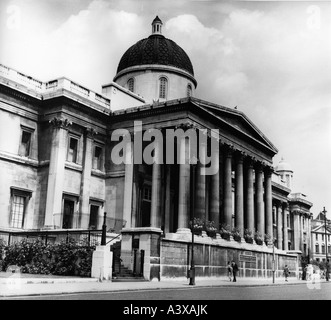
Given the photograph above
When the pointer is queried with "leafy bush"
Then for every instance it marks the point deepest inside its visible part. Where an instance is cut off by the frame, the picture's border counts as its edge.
(65, 258)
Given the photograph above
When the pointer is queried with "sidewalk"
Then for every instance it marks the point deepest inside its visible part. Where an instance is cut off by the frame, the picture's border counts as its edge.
(12, 285)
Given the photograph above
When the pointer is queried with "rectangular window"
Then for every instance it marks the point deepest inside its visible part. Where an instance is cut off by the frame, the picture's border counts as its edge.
(316, 236)
(323, 249)
(17, 211)
(25, 144)
(317, 248)
(94, 213)
(97, 158)
(68, 214)
(163, 88)
(322, 237)
(72, 150)
(19, 201)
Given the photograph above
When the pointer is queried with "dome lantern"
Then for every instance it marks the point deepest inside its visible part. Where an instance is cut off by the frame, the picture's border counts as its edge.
(157, 26)
(285, 171)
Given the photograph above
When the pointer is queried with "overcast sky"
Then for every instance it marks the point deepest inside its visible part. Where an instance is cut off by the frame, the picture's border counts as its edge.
(271, 59)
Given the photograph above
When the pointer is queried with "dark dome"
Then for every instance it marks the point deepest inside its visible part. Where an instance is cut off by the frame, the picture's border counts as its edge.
(156, 49)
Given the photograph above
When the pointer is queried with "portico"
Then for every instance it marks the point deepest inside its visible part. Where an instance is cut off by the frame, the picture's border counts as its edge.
(236, 193)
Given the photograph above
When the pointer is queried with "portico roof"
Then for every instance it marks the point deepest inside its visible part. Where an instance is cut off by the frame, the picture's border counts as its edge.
(232, 124)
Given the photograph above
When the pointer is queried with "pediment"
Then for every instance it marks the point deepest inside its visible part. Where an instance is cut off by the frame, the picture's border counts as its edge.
(321, 229)
(236, 120)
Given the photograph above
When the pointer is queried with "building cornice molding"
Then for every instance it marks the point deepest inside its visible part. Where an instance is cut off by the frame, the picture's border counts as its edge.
(157, 67)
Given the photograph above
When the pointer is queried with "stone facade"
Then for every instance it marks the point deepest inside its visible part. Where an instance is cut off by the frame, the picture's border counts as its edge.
(58, 172)
(320, 238)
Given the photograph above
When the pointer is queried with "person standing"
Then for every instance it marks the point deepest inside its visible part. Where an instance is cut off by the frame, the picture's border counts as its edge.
(286, 272)
(234, 270)
(304, 273)
(229, 267)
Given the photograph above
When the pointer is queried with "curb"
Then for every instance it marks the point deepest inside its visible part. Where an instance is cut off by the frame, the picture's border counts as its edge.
(112, 290)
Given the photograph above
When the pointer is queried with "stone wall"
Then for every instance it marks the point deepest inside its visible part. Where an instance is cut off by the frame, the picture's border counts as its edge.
(210, 259)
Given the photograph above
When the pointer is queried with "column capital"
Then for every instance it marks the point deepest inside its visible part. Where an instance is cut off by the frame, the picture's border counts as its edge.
(268, 170)
(186, 126)
(90, 132)
(276, 203)
(229, 150)
(249, 161)
(285, 205)
(258, 165)
(239, 156)
(59, 122)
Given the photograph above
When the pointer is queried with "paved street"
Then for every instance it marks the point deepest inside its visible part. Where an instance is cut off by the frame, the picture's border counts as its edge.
(302, 291)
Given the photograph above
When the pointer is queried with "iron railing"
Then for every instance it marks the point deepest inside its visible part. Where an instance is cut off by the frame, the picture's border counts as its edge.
(83, 237)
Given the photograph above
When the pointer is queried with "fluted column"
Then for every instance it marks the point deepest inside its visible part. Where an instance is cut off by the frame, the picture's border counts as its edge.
(56, 172)
(259, 199)
(268, 201)
(239, 193)
(249, 207)
(296, 231)
(285, 231)
(167, 200)
(215, 189)
(228, 187)
(200, 203)
(279, 226)
(184, 185)
(128, 183)
(156, 205)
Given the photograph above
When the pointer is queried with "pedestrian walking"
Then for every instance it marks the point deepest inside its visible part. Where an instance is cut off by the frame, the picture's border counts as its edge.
(304, 273)
(286, 272)
(327, 270)
(229, 267)
(234, 270)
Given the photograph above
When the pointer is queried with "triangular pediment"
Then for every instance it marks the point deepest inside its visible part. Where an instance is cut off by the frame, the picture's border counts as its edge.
(236, 120)
(321, 229)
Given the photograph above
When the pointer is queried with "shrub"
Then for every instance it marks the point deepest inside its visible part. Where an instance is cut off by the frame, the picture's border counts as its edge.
(65, 258)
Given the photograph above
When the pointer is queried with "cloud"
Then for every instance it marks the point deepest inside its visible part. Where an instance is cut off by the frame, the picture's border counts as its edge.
(82, 48)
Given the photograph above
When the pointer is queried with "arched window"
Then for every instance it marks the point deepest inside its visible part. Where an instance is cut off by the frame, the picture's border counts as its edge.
(189, 90)
(163, 87)
(131, 84)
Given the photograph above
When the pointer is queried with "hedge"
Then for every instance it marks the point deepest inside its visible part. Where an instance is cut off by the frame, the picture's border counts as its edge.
(65, 258)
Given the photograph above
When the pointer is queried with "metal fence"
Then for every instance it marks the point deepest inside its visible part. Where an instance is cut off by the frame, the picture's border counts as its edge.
(82, 237)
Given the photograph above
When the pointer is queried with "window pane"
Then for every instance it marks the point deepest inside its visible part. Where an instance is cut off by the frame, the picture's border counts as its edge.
(189, 91)
(94, 212)
(97, 159)
(68, 213)
(131, 84)
(163, 88)
(25, 144)
(17, 214)
(72, 152)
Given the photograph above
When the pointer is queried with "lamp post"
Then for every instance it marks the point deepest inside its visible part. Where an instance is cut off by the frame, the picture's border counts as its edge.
(104, 230)
(192, 207)
(273, 261)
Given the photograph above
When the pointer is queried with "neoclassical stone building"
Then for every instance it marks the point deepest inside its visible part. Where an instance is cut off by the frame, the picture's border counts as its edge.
(58, 168)
(320, 238)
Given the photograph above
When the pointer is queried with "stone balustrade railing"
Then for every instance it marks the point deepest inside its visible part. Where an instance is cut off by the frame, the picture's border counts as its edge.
(53, 86)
